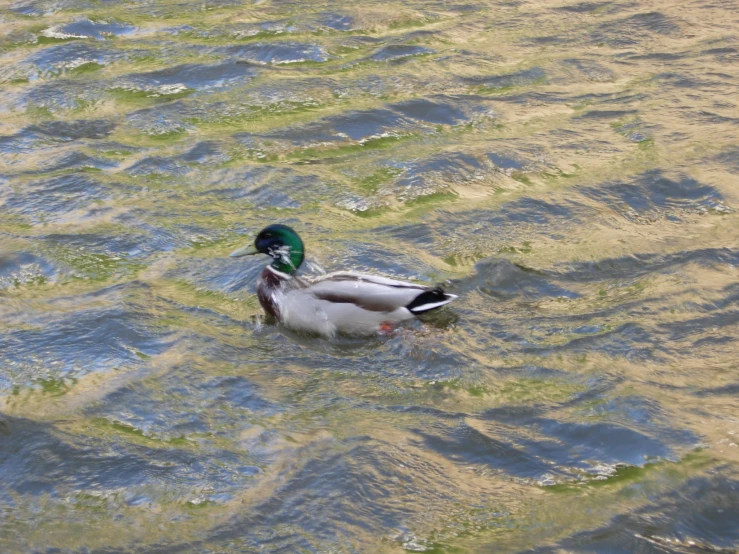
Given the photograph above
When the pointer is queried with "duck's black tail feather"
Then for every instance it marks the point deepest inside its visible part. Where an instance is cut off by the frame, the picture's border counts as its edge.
(430, 300)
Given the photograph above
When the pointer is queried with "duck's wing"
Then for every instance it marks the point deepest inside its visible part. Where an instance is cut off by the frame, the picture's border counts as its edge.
(377, 294)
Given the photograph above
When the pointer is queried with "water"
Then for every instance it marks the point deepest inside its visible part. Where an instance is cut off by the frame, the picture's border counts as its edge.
(568, 169)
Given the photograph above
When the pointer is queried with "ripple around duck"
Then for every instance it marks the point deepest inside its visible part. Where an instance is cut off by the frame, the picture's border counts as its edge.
(47, 134)
(479, 233)
(440, 173)
(159, 166)
(72, 161)
(638, 265)
(629, 341)
(600, 444)
(179, 79)
(588, 7)
(404, 355)
(543, 451)
(372, 258)
(84, 28)
(566, 168)
(465, 445)
(729, 159)
(164, 121)
(138, 241)
(74, 130)
(654, 195)
(310, 23)
(635, 29)
(414, 233)
(394, 121)
(668, 523)
(22, 268)
(19, 143)
(278, 53)
(592, 70)
(348, 499)
(161, 408)
(267, 186)
(37, 8)
(694, 329)
(52, 465)
(223, 275)
(520, 78)
(206, 153)
(63, 58)
(336, 21)
(107, 331)
(441, 112)
(57, 198)
(353, 126)
(502, 279)
(398, 52)
(59, 463)
(62, 95)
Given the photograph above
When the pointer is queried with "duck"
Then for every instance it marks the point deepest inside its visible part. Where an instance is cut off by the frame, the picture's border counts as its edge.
(343, 302)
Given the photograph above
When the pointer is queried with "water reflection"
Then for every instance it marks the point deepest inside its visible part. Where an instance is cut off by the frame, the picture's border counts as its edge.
(568, 169)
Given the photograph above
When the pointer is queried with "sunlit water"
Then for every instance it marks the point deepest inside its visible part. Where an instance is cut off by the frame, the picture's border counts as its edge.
(569, 169)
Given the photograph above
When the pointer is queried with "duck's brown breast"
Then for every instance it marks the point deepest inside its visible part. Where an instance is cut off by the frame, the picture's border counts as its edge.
(268, 284)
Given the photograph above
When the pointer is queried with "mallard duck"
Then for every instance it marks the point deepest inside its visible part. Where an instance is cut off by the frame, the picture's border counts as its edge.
(347, 303)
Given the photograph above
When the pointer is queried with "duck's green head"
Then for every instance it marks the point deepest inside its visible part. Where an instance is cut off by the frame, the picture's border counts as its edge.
(279, 242)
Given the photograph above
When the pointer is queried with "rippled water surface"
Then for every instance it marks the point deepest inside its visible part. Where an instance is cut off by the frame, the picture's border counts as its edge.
(568, 169)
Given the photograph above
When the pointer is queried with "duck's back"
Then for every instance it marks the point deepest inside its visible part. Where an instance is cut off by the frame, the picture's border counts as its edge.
(371, 292)
(351, 303)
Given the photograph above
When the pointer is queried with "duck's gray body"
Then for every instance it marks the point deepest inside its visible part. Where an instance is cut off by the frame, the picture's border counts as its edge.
(347, 303)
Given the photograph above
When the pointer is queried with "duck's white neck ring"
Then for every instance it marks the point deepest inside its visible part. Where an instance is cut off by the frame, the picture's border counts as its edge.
(280, 274)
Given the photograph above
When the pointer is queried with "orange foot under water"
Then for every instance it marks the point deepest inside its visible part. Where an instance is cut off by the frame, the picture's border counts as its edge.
(386, 328)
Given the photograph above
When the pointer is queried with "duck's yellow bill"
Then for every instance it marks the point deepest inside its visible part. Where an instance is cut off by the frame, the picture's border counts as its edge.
(245, 251)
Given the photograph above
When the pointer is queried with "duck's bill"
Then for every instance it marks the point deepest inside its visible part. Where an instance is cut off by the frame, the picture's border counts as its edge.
(249, 250)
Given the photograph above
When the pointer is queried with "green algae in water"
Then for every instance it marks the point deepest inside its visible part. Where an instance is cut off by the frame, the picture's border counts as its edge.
(372, 182)
(54, 387)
